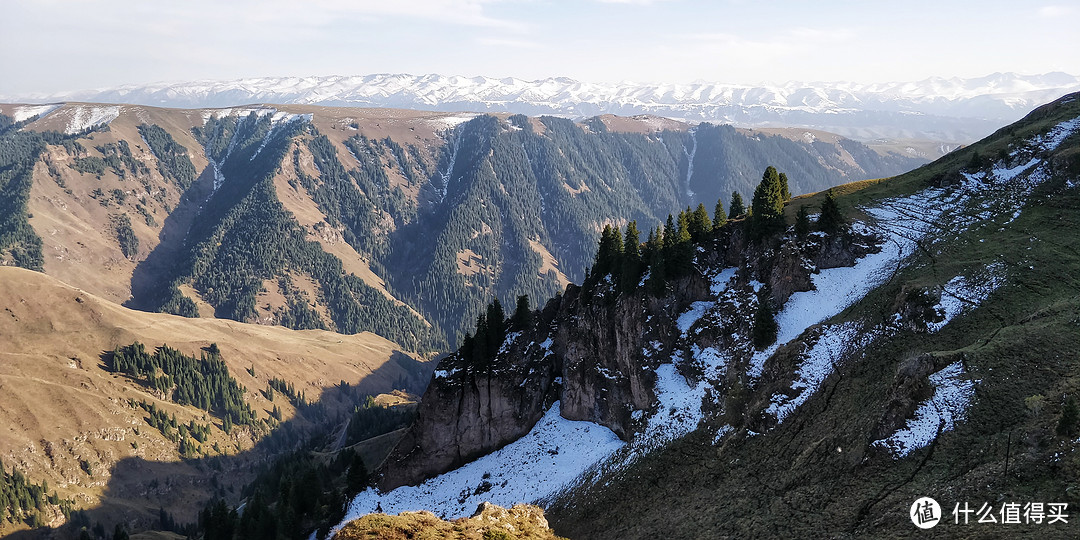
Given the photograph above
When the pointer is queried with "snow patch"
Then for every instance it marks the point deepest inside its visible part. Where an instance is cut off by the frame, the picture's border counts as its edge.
(960, 294)
(678, 410)
(29, 111)
(816, 365)
(445, 374)
(952, 396)
(721, 280)
(696, 311)
(724, 431)
(82, 117)
(552, 454)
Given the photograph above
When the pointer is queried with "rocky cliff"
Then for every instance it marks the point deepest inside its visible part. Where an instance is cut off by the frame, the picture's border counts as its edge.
(596, 349)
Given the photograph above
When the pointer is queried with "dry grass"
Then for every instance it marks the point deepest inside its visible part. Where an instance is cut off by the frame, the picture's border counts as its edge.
(549, 264)
(489, 523)
(642, 123)
(59, 406)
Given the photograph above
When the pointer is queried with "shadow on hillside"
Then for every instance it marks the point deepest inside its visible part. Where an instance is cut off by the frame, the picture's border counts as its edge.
(154, 272)
(137, 489)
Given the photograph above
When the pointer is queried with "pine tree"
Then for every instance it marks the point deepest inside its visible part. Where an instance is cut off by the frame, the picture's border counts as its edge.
(679, 256)
(802, 222)
(480, 342)
(357, 478)
(657, 273)
(1070, 413)
(631, 258)
(670, 236)
(608, 253)
(719, 216)
(767, 208)
(831, 221)
(683, 235)
(765, 327)
(522, 319)
(737, 207)
(632, 241)
(700, 224)
(496, 320)
(785, 192)
(467, 347)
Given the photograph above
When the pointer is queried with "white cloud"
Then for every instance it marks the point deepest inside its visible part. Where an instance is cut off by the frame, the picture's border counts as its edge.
(1054, 11)
(634, 2)
(512, 43)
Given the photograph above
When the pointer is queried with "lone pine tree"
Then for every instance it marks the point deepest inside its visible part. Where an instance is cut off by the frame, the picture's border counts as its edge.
(767, 208)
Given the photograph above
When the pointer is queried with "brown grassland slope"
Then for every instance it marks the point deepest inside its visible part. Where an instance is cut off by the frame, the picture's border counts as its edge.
(67, 420)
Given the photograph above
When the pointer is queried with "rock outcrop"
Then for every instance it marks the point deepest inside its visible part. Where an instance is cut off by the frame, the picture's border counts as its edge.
(595, 348)
(522, 522)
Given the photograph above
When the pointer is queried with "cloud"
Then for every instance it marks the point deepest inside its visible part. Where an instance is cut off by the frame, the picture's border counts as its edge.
(454, 12)
(462, 12)
(634, 2)
(512, 43)
(1054, 11)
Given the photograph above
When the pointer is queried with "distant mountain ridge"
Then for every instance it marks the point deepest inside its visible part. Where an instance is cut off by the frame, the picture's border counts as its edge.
(953, 109)
(404, 223)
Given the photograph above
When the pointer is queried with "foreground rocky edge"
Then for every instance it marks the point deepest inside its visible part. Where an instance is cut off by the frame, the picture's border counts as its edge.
(490, 522)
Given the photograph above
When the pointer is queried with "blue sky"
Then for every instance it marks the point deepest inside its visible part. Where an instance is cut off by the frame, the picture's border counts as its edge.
(49, 46)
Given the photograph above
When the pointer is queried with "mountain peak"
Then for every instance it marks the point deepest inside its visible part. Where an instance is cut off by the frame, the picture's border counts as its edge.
(954, 109)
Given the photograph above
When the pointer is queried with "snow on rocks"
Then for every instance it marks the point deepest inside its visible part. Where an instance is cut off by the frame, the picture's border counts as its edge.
(953, 393)
(554, 453)
(1057, 135)
(962, 293)
(837, 288)
(692, 315)
(712, 361)
(724, 431)
(720, 282)
(816, 364)
(678, 409)
(445, 373)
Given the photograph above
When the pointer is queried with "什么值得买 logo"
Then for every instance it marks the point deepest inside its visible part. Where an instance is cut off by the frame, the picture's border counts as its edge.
(925, 512)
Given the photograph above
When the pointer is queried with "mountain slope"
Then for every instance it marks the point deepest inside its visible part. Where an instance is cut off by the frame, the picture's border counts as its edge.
(929, 349)
(954, 110)
(70, 421)
(403, 223)
(963, 403)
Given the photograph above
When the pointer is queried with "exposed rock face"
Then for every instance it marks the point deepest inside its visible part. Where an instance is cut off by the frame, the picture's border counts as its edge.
(910, 386)
(467, 412)
(790, 273)
(606, 375)
(596, 350)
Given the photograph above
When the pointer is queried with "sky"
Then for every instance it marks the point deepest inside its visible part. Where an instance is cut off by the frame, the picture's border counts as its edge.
(53, 46)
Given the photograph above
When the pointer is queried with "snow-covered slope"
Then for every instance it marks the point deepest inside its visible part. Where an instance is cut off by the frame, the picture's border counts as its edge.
(954, 109)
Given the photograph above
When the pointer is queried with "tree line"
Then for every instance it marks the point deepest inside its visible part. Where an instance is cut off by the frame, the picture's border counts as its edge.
(203, 382)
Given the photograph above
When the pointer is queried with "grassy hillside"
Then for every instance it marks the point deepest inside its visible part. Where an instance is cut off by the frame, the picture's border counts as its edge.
(818, 473)
(71, 422)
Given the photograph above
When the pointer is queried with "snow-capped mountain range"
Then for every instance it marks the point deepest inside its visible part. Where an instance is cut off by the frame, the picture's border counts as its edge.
(954, 109)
